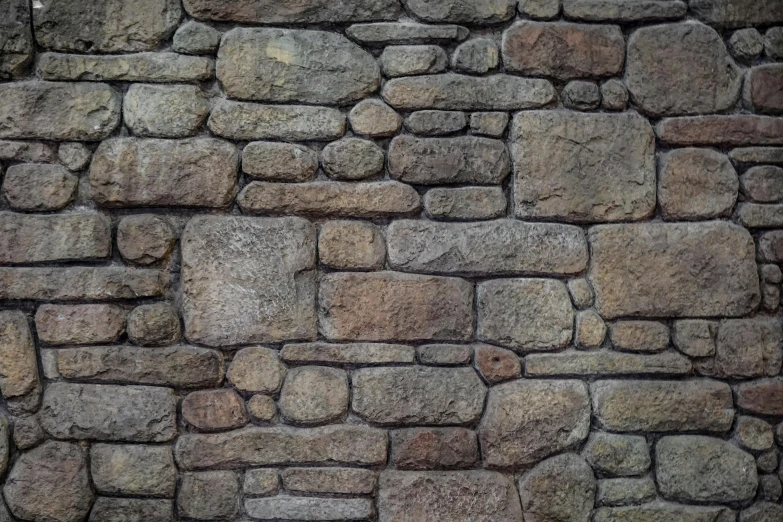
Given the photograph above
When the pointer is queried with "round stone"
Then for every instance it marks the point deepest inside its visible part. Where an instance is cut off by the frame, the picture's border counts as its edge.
(145, 239)
(746, 44)
(256, 370)
(374, 118)
(314, 395)
(590, 329)
(614, 95)
(497, 364)
(262, 408)
(39, 187)
(581, 95)
(754, 434)
(196, 38)
(352, 159)
(478, 56)
(153, 325)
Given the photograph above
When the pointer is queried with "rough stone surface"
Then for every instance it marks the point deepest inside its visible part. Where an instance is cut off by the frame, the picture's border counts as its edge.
(773, 42)
(411, 60)
(343, 481)
(746, 44)
(621, 11)
(749, 348)
(113, 509)
(262, 408)
(619, 455)
(559, 488)
(606, 362)
(360, 354)
(271, 161)
(762, 89)
(374, 118)
(581, 292)
(214, 410)
(27, 151)
(695, 337)
(39, 187)
(433, 448)
(737, 13)
(145, 239)
(253, 121)
(405, 32)
(639, 336)
(581, 95)
(489, 123)
(256, 369)
(763, 396)
(79, 324)
(463, 11)
(272, 12)
(497, 364)
(590, 330)
(763, 184)
(19, 370)
(209, 495)
(444, 354)
(754, 434)
(140, 67)
(477, 56)
(728, 130)
(17, 39)
(196, 38)
(314, 395)
(175, 111)
(622, 491)
(133, 469)
(762, 512)
(346, 245)
(352, 159)
(74, 283)
(614, 95)
(660, 511)
(284, 507)
(153, 325)
(465, 203)
(435, 123)
(261, 482)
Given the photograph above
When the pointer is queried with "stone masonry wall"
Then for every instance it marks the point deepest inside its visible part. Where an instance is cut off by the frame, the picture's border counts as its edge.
(391, 260)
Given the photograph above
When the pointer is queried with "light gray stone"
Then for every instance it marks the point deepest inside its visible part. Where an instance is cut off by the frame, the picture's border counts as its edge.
(614, 95)
(256, 369)
(79, 324)
(444, 354)
(465, 203)
(19, 381)
(477, 56)
(606, 362)
(271, 161)
(374, 118)
(133, 469)
(310, 11)
(756, 215)
(754, 434)
(435, 123)
(79, 283)
(253, 121)
(352, 159)
(623, 491)
(773, 42)
(405, 33)
(746, 44)
(164, 111)
(619, 455)
(540, 9)
(660, 511)
(560, 488)
(75, 156)
(27, 151)
(39, 187)
(409, 60)
(359, 354)
(285, 507)
(209, 495)
(623, 11)
(141, 67)
(762, 512)
(342, 481)
(581, 293)
(314, 395)
(153, 325)
(261, 482)
(196, 38)
(581, 95)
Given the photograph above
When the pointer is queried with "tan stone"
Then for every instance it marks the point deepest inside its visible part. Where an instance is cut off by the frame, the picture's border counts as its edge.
(133, 469)
(360, 354)
(79, 283)
(272, 161)
(314, 395)
(79, 324)
(749, 348)
(620, 455)
(444, 354)
(590, 329)
(639, 336)
(145, 239)
(262, 408)
(695, 337)
(342, 481)
(374, 118)
(465, 203)
(153, 325)
(18, 363)
(606, 362)
(253, 121)
(720, 130)
(560, 488)
(39, 187)
(311, 11)
(346, 245)
(165, 111)
(256, 369)
(214, 410)
(160, 67)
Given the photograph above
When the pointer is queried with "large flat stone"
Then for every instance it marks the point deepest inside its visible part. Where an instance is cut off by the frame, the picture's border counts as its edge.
(606, 362)
(354, 353)
(583, 168)
(462, 11)
(253, 121)
(309, 11)
(691, 270)
(248, 280)
(391, 33)
(78, 283)
(738, 13)
(161, 67)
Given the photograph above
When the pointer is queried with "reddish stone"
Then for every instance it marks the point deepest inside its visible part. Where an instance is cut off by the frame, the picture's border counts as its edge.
(764, 88)
(214, 410)
(434, 448)
(497, 364)
(764, 396)
(735, 130)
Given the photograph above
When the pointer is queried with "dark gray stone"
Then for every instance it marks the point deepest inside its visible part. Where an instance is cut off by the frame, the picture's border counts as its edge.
(309, 11)
(141, 67)
(560, 488)
(405, 33)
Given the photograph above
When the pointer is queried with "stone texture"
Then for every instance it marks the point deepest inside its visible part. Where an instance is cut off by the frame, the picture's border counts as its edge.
(754, 434)
(581, 95)
(466, 496)
(560, 488)
(606, 362)
(153, 325)
(754, 215)
(762, 512)
(74, 283)
(262, 408)
(140, 67)
(525, 314)
(762, 89)
(444, 354)
(660, 511)
(39, 187)
(253, 294)
(746, 44)
(360, 354)
(590, 329)
(346, 245)
(374, 118)
(284, 507)
(497, 364)
(209, 495)
(763, 396)
(749, 348)
(27, 151)
(253, 121)
(133, 469)
(773, 42)
(528, 420)
(79, 324)
(462, 11)
(417, 395)
(256, 369)
(145, 239)
(261, 482)
(352, 159)
(196, 38)
(489, 123)
(5, 446)
(695, 337)
(170, 111)
(477, 56)
(436, 123)
(411, 60)
(465, 203)
(314, 395)
(639, 336)
(75, 156)
(755, 155)
(737, 13)
(663, 406)
(619, 455)
(16, 37)
(722, 130)
(214, 410)
(108, 509)
(19, 366)
(433, 448)
(622, 491)
(572, 167)
(622, 11)
(540, 9)
(342, 481)
(563, 50)
(405, 32)
(312, 11)
(614, 95)
(763, 184)
(581, 292)
(641, 270)
(270, 161)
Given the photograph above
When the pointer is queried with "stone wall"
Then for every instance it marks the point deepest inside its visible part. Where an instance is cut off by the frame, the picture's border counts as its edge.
(391, 260)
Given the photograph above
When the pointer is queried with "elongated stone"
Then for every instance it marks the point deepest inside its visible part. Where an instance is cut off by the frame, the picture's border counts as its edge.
(623, 11)
(27, 151)
(79, 324)
(345, 481)
(660, 511)
(391, 33)
(606, 362)
(79, 283)
(408, 60)
(285, 507)
(17, 38)
(463, 11)
(756, 215)
(253, 121)
(18, 363)
(465, 203)
(141, 67)
(738, 13)
(722, 130)
(272, 161)
(117, 509)
(310, 11)
(758, 155)
(620, 455)
(354, 354)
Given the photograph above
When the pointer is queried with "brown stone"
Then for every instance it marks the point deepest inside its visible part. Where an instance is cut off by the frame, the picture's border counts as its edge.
(763, 184)
(434, 448)
(762, 88)
(79, 283)
(342, 481)
(717, 130)
(256, 369)
(444, 354)
(374, 118)
(261, 482)
(639, 336)
(560, 488)
(606, 362)
(18, 363)
(497, 364)
(763, 396)
(346, 245)
(253, 121)
(360, 354)
(153, 325)
(160, 67)
(214, 410)
(695, 337)
(590, 330)
(272, 161)
(262, 408)
(39, 187)
(79, 324)
(133, 469)
(314, 395)
(145, 239)
(209, 495)
(749, 348)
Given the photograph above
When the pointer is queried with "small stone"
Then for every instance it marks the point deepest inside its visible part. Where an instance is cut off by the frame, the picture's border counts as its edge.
(622, 11)
(374, 118)
(763, 396)
(497, 364)
(153, 325)
(581, 95)
(18, 52)
(312, 11)
(285, 507)
(253, 121)
(158, 67)
(560, 488)
(749, 348)
(623, 491)
(737, 13)
(214, 410)
(79, 283)
(767, 462)
(614, 95)
(590, 329)
(754, 434)
(435, 123)
(762, 512)
(145, 238)
(272, 161)
(39, 187)
(606, 362)
(405, 33)
(755, 215)
(196, 38)
(444, 354)
(79, 324)
(773, 42)
(27, 151)
(695, 337)
(465, 203)
(108, 509)
(771, 274)
(491, 124)
(581, 293)
(746, 44)
(75, 156)
(262, 408)
(721, 130)
(463, 11)
(27, 433)
(762, 89)
(19, 373)
(660, 511)
(342, 481)
(770, 488)
(262, 482)
(352, 159)
(347, 245)
(771, 246)
(756, 155)
(409, 60)
(640, 336)
(770, 297)
(540, 9)
(164, 111)
(433, 448)
(209, 495)
(133, 469)
(763, 184)
(255, 370)
(314, 395)
(359, 354)
(618, 455)
(477, 56)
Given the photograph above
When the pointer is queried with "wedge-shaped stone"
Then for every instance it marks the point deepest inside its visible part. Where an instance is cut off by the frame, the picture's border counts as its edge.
(76, 283)
(58, 111)
(292, 65)
(17, 50)
(650, 270)
(606, 362)
(285, 507)
(664, 512)
(330, 198)
(248, 280)
(133, 469)
(722, 130)
(437, 161)
(583, 168)
(309, 11)
(447, 496)
(623, 11)
(176, 366)
(738, 13)
(26, 238)
(141, 67)
(462, 92)
(463, 11)
(18, 363)
(131, 172)
(108, 412)
(354, 354)
(685, 406)
(391, 33)
(79, 324)
(253, 121)
(418, 395)
(338, 444)
(529, 420)
(502, 247)
(382, 306)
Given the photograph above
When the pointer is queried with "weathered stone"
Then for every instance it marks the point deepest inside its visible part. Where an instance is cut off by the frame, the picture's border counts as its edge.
(614, 95)
(256, 369)
(196, 38)
(622, 491)
(108, 509)
(108, 412)
(762, 512)
(763, 396)
(145, 239)
(560, 488)
(344, 481)
(409, 60)
(762, 88)
(352, 159)
(164, 111)
(214, 410)
(5, 446)
(436, 123)
(39, 187)
(590, 329)
(374, 118)
(314, 395)
(563, 50)
(491, 248)
(18, 363)
(767, 462)
(465, 203)
(76, 283)
(722, 130)
(754, 215)
(662, 406)
(27, 151)
(261, 482)
(345, 245)
(573, 167)
(695, 337)
(196, 172)
(773, 42)
(28, 433)
(141, 67)
(444, 354)
(418, 395)
(497, 364)
(737, 13)
(581, 95)
(771, 246)
(746, 44)
(405, 33)
(271, 161)
(756, 155)
(643, 270)
(209, 495)
(254, 294)
(462, 11)
(455, 496)
(50, 483)
(133, 469)
(75, 156)
(606, 362)
(79, 324)
(253, 121)
(461, 92)
(769, 488)
(382, 306)
(284, 507)
(359, 354)
(763, 184)
(489, 123)
(704, 469)
(111, 26)
(754, 434)
(749, 348)
(434, 448)
(262, 408)
(17, 39)
(311, 11)
(659, 511)
(528, 420)
(622, 11)
(540, 9)
(338, 444)
(620, 455)
(770, 297)
(153, 325)
(639, 336)
(581, 293)
(477, 56)
(681, 69)
(525, 314)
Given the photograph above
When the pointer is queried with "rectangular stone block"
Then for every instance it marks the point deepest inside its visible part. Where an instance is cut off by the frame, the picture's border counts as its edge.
(757, 215)
(253, 121)
(140, 67)
(248, 280)
(18, 363)
(382, 306)
(133, 469)
(722, 131)
(79, 324)
(310, 11)
(623, 10)
(354, 353)
(738, 13)
(80, 283)
(27, 151)
(674, 269)
(343, 481)
(606, 362)
(285, 507)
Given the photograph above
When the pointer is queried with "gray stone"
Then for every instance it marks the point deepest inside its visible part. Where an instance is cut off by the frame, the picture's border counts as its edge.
(590, 329)
(704, 469)
(352, 159)
(770, 488)
(572, 166)
(540, 9)
(619, 455)
(737, 13)
(581, 293)
(640, 336)
(153, 325)
(409, 60)
(762, 89)
(110, 26)
(261, 482)
(489, 123)
(773, 42)
(477, 56)
(754, 434)
(642, 270)
(763, 184)
(109, 412)
(756, 155)
(256, 369)
(623, 11)
(461, 92)
(581, 95)
(465, 203)
(721, 130)
(405, 33)
(196, 38)
(347, 245)
(209, 495)
(771, 274)
(453, 496)
(343, 481)
(145, 239)
(253, 121)
(444, 354)
(17, 40)
(762, 512)
(525, 314)
(463, 11)
(763, 396)
(75, 156)
(262, 408)
(606, 362)
(310, 11)
(58, 111)
(79, 283)
(418, 395)
(681, 69)
(755, 215)
(27, 151)
(660, 511)
(359, 354)
(614, 95)
(141, 67)
(285, 507)
(560, 488)
(434, 448)
(5, 444)
(623, 491)
(767, 462)
(374, 118)
(749, 348)
(435, 123)
(746, 44)
(133, 469)
(271, 161)
(314, 395)
(291, 65)
(164, 111)
(107, 509)
(19, 382)
(39, 187)
(771, 246)
(79, 324)
(695, 337)
(528, 420)
(255, 294)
